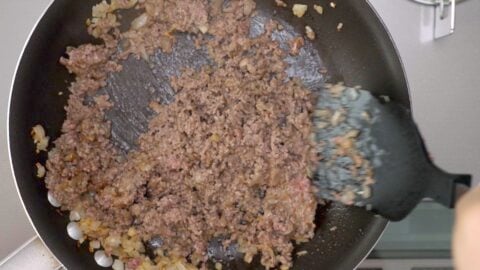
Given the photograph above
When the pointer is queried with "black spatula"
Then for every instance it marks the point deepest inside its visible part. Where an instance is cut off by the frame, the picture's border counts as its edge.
(373, 155)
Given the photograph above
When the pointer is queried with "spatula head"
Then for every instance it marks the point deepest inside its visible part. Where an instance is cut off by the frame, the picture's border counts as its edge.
(373, 155)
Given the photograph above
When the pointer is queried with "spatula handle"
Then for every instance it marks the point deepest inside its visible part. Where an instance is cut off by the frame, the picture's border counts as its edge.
(446, 188)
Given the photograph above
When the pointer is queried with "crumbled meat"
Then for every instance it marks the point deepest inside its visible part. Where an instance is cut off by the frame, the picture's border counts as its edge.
(216, 161)
(90, 63)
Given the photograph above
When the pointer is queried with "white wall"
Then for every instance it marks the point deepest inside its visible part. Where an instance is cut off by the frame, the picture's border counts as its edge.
(444, 77)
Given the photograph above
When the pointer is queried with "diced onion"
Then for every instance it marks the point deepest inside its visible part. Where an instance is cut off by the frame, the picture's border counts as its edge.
(118, 265)
(140, 21)
(113, 241)
(309, 32)
(74, 216)
(39, 138)
(95, 244)
(339, 26)
(40, 170)
(280, 3)
(299, 10)
(318, 9)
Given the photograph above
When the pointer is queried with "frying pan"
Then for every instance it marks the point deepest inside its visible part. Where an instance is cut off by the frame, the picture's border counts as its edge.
(362, 53)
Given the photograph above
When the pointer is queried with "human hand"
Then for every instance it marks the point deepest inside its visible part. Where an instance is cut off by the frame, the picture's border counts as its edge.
(466, 233)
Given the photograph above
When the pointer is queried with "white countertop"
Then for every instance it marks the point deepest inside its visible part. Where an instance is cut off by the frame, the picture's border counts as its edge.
(443, 76)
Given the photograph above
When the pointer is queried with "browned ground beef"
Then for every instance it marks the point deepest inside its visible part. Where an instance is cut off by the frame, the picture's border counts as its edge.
(229, 157)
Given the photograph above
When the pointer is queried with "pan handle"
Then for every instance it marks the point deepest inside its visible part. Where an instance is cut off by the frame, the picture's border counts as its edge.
(31, 255)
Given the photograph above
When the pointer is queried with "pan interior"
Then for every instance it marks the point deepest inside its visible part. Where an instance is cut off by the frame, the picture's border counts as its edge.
(360, 54)
(150, 79)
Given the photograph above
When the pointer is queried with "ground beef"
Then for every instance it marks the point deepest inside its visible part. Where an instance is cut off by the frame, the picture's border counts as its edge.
(230, 157)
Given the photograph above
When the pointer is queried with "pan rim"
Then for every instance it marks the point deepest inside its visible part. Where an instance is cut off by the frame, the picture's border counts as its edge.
(380, 223)
(397, 52)
(10, 158)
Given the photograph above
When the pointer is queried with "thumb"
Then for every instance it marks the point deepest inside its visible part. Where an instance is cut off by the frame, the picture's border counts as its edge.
(466, 234)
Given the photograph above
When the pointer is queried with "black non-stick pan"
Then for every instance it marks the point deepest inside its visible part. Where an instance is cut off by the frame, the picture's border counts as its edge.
(362, 53)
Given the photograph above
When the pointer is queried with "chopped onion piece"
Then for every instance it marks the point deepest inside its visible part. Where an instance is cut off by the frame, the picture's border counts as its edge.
(280, 3)
(95, 244)
(113, 241)
(40, 170)
(100, 10)
(336, 118)
(140, 21)
(39, 138)
(339, 26)
(318, 9)
(122, 4)
(203, 29)
(299, 10)
(74, 216)
(309, 32)
(118, 265)
(367, 192)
